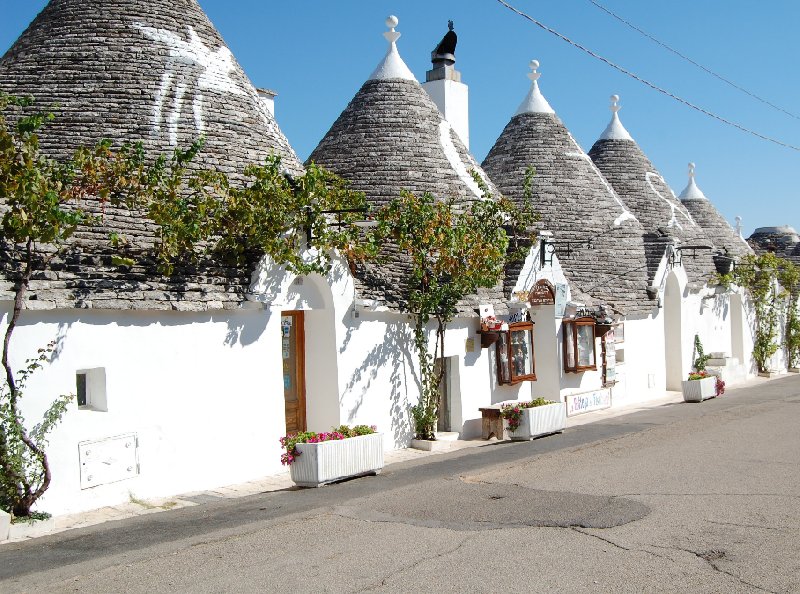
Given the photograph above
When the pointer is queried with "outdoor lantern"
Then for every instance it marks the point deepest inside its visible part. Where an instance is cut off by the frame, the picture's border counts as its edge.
(579, 353)
(515, 358)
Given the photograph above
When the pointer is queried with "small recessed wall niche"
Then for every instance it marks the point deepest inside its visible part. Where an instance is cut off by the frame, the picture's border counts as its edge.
(90, 385)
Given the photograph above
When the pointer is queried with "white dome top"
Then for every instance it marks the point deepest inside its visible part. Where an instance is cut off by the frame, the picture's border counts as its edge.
(691, 191)
(615, 130)
(392, 65)
(534, 101)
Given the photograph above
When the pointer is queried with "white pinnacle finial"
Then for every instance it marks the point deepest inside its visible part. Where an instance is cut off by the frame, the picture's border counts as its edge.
(534, 101)
(533, 75)
(739, 227)
(615, 130)
(615, 104)
(392, 65)
(692, 192)
(391, 35)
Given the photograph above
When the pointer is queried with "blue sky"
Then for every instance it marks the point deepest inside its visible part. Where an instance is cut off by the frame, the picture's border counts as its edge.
(317, 54)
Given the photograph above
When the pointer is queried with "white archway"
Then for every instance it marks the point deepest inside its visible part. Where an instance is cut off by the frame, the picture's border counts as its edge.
(313, 296)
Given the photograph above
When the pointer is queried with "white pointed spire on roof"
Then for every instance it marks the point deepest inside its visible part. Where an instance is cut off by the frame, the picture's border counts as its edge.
(534, 101)
(615, 130)
(392, 65)
(692, 192)
(739, 227)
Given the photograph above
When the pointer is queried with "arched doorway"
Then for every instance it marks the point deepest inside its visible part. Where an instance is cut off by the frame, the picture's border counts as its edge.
(309, 354)
(673, 322)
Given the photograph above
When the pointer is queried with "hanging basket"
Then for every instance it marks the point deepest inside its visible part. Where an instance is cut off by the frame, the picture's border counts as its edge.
(489, 338)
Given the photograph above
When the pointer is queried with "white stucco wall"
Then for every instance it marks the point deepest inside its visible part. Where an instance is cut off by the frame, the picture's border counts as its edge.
(642, 374)
(202, 392)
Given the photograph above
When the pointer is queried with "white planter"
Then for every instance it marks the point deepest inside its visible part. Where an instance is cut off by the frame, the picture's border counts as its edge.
(329, 461)
(34, 529)
(429, 445)
(699, 390)
(540, 420)
(5, 523)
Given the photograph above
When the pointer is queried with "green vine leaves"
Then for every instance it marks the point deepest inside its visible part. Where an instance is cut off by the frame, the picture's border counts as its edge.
(773, 284)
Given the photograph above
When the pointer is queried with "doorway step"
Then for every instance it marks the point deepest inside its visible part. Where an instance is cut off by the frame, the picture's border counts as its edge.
(729, 369)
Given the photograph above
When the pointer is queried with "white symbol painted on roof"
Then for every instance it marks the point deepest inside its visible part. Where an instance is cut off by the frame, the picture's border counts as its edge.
(674, 205)
(210, 68)
(451, 152)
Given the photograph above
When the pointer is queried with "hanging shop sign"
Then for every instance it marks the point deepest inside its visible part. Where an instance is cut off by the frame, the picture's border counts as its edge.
(542, 293)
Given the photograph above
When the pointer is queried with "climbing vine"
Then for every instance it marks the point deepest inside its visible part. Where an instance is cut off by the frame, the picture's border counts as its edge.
(770, 282)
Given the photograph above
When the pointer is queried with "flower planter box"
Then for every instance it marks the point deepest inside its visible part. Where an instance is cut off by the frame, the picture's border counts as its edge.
(540, 420)
(699, 390)
(330, 461)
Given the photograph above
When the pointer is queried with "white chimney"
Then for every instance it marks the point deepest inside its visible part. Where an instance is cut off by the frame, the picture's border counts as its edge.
(443, 84)
(267, 97)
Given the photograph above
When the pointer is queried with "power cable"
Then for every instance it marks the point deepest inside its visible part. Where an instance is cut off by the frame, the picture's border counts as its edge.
(652, 85)
(693, 62)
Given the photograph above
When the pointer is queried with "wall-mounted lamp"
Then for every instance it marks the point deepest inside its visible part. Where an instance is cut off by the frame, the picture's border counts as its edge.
(675, 258)
(546, 248)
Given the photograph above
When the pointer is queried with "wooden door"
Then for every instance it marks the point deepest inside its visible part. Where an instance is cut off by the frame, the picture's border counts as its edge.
(293, 350)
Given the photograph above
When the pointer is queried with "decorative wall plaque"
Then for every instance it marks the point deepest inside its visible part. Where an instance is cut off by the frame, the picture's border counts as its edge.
(542, 293)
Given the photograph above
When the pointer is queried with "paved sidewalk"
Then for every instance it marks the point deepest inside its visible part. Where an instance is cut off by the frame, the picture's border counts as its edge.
(136, 507)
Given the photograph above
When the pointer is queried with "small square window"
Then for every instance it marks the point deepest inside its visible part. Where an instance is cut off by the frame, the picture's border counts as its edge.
(579, 353)
(90, 385)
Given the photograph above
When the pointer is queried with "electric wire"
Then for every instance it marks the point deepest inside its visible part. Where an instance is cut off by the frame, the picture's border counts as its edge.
(646, 82)
(691, 61)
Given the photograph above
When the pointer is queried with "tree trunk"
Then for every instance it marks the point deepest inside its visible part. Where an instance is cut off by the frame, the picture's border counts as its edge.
(26, 495)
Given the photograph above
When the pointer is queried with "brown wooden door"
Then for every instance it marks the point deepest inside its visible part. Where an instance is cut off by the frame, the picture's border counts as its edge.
(293, 350)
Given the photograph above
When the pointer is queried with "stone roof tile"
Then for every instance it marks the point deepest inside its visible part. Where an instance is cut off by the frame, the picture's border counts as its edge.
(392, 137)
(646, 193)
(150, 70)
(605, 257)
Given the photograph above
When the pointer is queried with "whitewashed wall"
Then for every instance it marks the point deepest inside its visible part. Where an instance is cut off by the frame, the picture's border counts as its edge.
(641, 376)
(203, 393)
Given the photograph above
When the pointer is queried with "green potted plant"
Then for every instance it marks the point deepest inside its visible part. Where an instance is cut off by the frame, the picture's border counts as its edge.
(700, 385)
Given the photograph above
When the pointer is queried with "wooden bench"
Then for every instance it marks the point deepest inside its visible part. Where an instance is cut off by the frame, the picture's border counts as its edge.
(491, 422)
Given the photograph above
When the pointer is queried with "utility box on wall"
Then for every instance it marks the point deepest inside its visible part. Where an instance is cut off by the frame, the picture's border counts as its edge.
(108, 460)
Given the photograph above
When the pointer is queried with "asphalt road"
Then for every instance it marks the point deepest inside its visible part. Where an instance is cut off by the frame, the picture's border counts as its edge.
(680, 498)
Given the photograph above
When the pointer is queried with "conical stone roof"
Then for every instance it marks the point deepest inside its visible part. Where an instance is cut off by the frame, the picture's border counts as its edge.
(646, 193)
(149, 70)
(392, 137)
(598, 240)
(710, 219)
(783, 240)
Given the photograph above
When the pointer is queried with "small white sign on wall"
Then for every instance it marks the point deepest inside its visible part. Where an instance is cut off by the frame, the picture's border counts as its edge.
(588, 401)
(108, 460)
